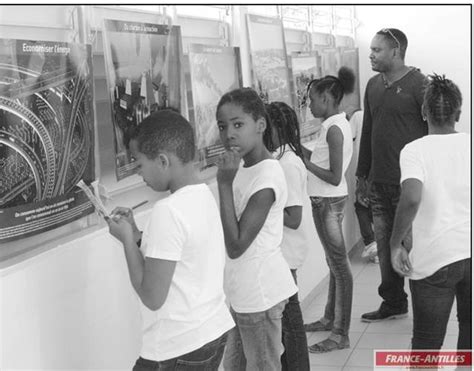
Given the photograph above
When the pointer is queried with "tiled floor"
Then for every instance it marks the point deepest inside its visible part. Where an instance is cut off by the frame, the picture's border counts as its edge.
(365, 337)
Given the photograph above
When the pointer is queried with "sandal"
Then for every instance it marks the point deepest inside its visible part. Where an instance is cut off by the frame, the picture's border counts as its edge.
(328, 345)
(317, 326)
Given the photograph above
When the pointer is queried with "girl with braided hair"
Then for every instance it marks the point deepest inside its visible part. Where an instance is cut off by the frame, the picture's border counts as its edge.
(327, 189)
(286, 147)
(435, 199)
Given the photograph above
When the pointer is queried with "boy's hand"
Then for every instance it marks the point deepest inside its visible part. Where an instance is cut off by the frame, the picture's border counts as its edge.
(121, 229)
(400, 261)
(126, 214)
(227, 166)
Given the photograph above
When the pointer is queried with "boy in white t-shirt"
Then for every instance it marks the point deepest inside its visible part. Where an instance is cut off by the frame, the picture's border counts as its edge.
(178, 271)
(436, 198)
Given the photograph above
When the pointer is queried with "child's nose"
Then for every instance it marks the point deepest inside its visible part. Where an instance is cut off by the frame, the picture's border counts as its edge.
(230, 133)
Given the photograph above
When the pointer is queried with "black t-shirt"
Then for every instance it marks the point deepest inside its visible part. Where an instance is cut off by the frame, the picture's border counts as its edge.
(392, 118)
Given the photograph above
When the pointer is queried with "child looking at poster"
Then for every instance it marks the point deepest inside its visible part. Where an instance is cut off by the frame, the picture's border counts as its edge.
(258, 281)
(286, 147)
(327, 187)
(178, 271)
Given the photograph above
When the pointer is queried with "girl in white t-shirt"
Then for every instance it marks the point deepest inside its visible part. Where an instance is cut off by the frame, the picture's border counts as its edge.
(327, 188)
(252, 195)
(286, 147)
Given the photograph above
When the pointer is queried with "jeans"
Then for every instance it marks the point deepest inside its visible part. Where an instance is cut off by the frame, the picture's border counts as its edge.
(295, 357)
(432, 302)
(255, 343)
(364, 217)
(383, 202)
(328, 213)
(206, 358)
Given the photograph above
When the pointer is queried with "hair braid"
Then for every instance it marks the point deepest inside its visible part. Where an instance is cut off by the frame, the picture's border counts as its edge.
(285, 122)
(442, 98)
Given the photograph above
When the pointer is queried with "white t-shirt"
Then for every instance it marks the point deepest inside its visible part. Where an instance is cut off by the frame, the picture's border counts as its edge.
(185, 227)
(356, 122)
(320, 157)
(260, 278)
(295, 245)
(441, 229)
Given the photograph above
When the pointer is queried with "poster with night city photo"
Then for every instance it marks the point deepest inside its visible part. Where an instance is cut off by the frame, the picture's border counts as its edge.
(46, 135)
(144, 74)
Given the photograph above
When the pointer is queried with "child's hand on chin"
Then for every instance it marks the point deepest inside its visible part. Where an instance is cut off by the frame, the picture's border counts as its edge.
(227, 166)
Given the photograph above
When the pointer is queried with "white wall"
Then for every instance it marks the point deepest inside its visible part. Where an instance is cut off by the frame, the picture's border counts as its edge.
(72, 307)
(439, 40)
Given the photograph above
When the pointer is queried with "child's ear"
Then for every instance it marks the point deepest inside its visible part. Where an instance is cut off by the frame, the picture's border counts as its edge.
(325, 97)
(457, 116)
(423, 111)
(163, 160)
(261, 125)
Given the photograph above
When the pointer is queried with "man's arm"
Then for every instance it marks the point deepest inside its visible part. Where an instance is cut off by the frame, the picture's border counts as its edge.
(365, 148)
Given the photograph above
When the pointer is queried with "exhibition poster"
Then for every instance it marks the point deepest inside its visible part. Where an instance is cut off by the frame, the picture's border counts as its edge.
(213, 71)
(143, 68)
(306, 66)
(332, 60)
(46, 135)
(351, 102)
(268, 57)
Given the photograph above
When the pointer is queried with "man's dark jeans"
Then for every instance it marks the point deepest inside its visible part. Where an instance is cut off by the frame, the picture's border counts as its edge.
(295, 357)
(433, 299)
(383, 203)
(208, 357)
(364, 217)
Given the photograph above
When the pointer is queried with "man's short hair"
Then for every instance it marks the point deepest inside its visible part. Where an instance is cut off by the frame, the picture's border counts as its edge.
(166, 131)
(396, 38)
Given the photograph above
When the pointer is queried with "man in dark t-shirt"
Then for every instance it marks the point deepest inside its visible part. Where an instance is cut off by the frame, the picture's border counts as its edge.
(392, 118)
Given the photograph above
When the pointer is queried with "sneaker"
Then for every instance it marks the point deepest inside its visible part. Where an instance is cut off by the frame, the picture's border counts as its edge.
(370, 250)
(384, 313)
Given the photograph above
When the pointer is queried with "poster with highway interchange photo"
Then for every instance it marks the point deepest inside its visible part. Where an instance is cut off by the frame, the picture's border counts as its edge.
(143, 69)
(269, 60)
(46, 135)
(214, 70)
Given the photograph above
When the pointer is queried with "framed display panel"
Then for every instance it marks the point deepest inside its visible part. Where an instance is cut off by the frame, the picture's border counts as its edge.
(350, 58)
(213, 71)
(305, 66)
(46, 135)
(269, 63)
(144, 74)
(332, 60)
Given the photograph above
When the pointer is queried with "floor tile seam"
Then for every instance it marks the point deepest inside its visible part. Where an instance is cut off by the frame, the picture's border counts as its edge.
(353, 348)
